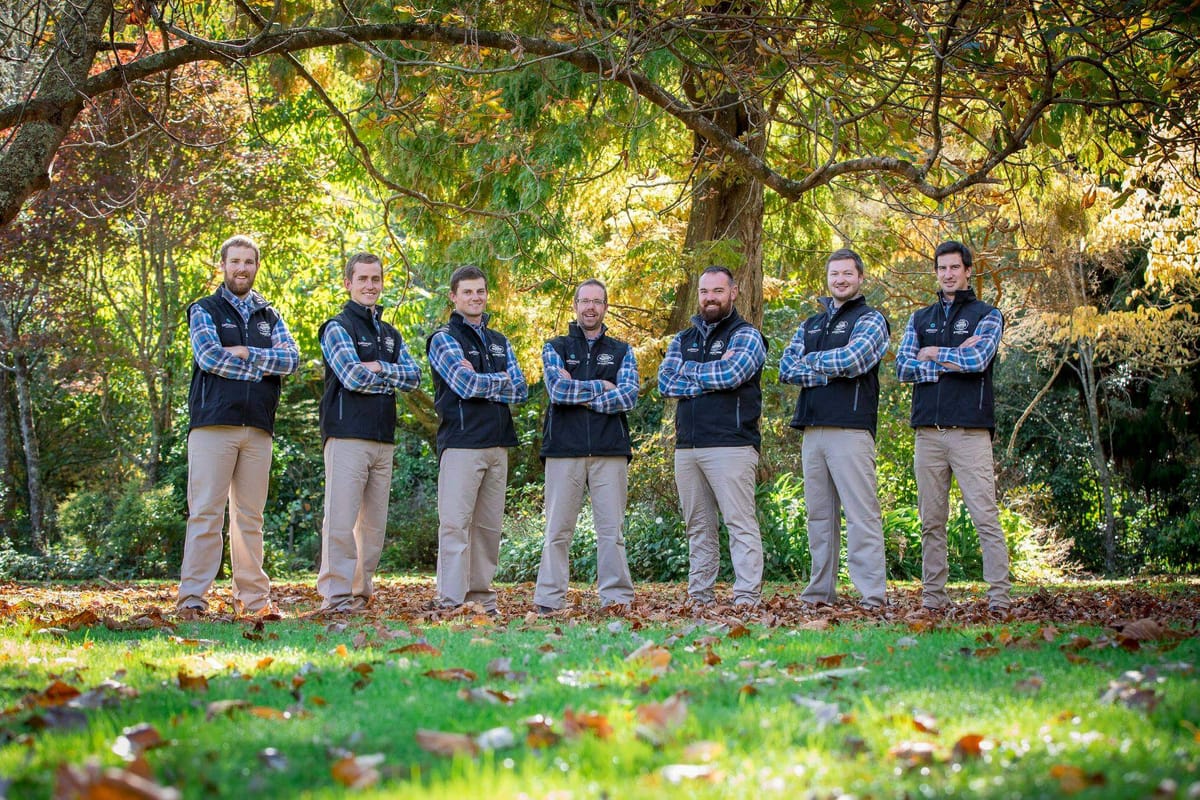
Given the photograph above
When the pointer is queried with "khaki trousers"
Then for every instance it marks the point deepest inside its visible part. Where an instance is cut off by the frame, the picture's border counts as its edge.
(839, 474)
(965, 453)
(358, 478)
(226, 463)
(470, 513)
(712, 479)
(606, 479)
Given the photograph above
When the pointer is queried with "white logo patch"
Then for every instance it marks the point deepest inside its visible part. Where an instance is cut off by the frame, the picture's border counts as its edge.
(363, 342)
(960, 326)
(573, 360)
(496, 350)
(389, 344)
(693, 349)
(604, 358)
(228, 324)
(717, 346)
(264, 328)
(840, 327)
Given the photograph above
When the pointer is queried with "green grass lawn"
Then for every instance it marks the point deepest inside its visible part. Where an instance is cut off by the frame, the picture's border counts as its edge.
(555, 708)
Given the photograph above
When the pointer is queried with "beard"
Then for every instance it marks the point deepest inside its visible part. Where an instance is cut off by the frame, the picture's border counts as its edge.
(714, 312)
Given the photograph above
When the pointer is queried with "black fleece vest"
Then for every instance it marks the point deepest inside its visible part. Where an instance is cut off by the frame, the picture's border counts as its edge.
(726, 418)
(958, 399)
(213, 400)
(843, 402)
(346, 414)
(572, 431)
(472, 423)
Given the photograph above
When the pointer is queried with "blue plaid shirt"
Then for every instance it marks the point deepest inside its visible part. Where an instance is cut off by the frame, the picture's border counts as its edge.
(570, 392)
(342, 357)
(281, 359)
(744, 357)
(868, 342)
(967, 359)
(446, 357)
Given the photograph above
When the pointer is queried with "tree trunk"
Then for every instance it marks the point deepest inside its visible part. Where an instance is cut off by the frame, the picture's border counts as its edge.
(33, 462)
(727, 206)
(6, 482)
(1099, 459)
(25, 162)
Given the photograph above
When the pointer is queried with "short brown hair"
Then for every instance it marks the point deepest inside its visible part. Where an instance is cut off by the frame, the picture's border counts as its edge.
(846, 254)
(240, 240)
(592, 282)
(468, 272)
(361, 258)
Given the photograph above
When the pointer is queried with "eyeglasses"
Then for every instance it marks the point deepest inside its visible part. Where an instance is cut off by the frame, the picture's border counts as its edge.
(596, 303)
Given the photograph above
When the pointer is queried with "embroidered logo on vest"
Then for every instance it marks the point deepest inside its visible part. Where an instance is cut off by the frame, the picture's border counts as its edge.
(604, 358)
(840, 327)
(389, 344)
(960, 326)
(717, 346)
(264, 327)
(496, 349)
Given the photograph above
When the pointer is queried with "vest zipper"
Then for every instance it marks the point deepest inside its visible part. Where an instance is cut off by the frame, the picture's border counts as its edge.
(981, 392)
(341, 396)
(462, 423)
(738, 414)
(855, 396)
(587, 364)
(246, 343)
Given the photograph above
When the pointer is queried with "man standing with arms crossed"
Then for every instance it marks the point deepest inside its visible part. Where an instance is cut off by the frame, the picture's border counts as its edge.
(366, 362)
(714, 368)
(835, 357)
(947, 353)
(592, 380)
(240, 350)
(475, 377)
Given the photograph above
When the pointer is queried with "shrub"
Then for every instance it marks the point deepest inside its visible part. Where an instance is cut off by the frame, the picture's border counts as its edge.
(136, 534)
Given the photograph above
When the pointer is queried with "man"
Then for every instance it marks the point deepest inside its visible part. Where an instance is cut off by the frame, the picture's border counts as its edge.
(475, 377)
(947, 353)
(241, 348)
(835, 357)
(366, 362)
(592, 380)
(714, 369)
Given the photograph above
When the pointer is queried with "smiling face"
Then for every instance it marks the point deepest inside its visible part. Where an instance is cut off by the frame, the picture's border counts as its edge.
(844, 279)
(470, 299)
(366, 284)
(590, 306)
(717, 295)
(952, 275)
(240, 265)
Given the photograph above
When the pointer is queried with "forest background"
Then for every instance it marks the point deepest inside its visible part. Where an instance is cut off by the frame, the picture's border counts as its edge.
(631, 141)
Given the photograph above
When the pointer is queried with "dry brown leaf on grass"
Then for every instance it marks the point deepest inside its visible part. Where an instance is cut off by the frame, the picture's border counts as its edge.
(57, 693)
(650, 654)
(657, 720)
(1071, 779)
(357, 772)
(192, 683)
(972, 745)
(93, 782)
(417, 649)
(452, 674)
(136, 740)
(577, 723)
(540, 732)
(925, 723)
(828, 662)
(486, 696)
(913, 754)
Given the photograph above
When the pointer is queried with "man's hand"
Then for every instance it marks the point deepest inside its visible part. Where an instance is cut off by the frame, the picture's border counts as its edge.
(927, 354)
(608, 385)
(728, 354)
(373, 366)
(467, 364)
(239, 351)
(971, 342)
(562, 373)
